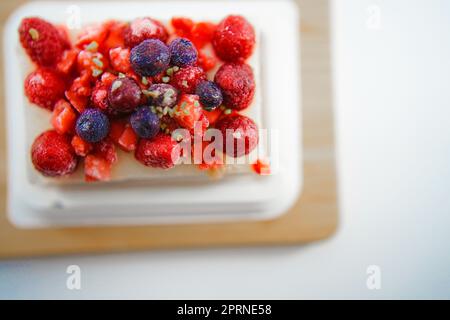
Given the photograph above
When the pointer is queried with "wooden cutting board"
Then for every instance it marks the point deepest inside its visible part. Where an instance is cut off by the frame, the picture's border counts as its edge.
(314, 216)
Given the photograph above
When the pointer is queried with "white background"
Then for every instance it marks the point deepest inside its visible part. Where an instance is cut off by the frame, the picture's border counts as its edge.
(392, 90)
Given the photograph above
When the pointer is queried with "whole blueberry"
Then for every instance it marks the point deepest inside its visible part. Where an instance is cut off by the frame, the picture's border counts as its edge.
(162, 95)
(92, 125)
(124, 95)
(210, 95)
(150, 57)
(182, 52)
(145, 123)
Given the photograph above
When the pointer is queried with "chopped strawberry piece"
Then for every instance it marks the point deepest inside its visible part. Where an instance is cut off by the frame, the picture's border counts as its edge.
(94, 63)
(107, 150)
(96, 168)
(92, 33)
(261, 167)
(99, 97)
(81, 147)
(213, 115)
(120, 59)
(206, 61)
(79, 93)
(188, 111)
(108, 78)
(123, 135)
(202, 33)
(68, 59)
(64, 117)
(117, 127)
(115, 36)
(182, 26)
(128, 139)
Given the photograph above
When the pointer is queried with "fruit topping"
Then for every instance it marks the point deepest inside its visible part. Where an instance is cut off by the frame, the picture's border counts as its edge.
(53, 155)
(182, 52)
(64, 117)
(120, 59)
(124, 95)
(142, 29)
(210, 95)
(42, 41)
(96, 169)
(186, 79)
(237, 83)
(240, 134)
(159, 152)
(234, 39)
(145, 123)
(150, 57)
(81, 147)
(162, 95)
(188, 111)
(44, 87)
(92, 125)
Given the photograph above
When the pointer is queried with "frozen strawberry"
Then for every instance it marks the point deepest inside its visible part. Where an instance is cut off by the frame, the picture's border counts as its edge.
(240, 134)
(115, 36)
(159, 152)
(128, 139)
(142, 29)
(207, 61)
(68, 60)
(182, 26)
(92, 36)
(42, 41)
(44, 87)
(53, 155)
(94, 63)
(120, 59)
(237, 83)
(96, 168)
(187, 79)
(213, 115)
(99, 97)
(79, 92)
(188, 111)
(106, 150)
(64, 117)
(234, 39)
(202, 33)
(81, 147)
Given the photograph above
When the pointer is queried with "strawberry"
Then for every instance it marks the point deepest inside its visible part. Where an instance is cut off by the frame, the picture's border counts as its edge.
(81, 147)
(94, 34)
(79, 92)
(53, 155)
(96, 168)
(188, 111)
(202, 33)
(94, 63)
(142, 29)
(213, 115)
(42, 41)
(115, 36)
(123, 135)
(207, 61)
(106, 150)
(44, 87)
(120, 59)
(182, 26)
(64, 117)
(159, 152)
(67, 62)
(187, 79)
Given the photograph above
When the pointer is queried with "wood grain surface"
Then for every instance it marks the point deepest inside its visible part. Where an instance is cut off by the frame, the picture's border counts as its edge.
(313, 217)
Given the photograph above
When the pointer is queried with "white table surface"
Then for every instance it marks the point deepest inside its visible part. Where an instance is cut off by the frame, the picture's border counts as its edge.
(392, 86)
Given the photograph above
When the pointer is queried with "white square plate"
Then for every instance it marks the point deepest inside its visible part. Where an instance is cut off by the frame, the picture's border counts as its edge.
(236, 197)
